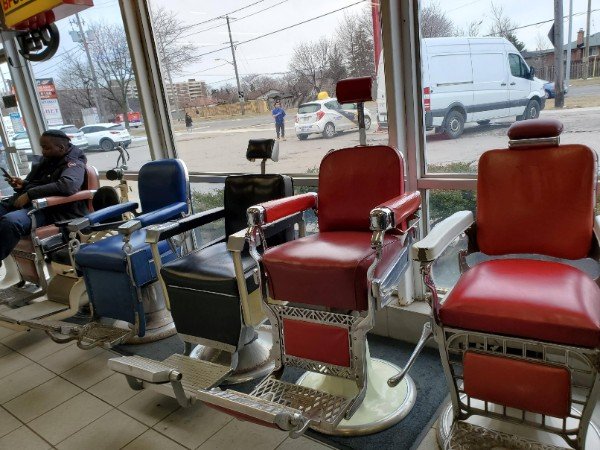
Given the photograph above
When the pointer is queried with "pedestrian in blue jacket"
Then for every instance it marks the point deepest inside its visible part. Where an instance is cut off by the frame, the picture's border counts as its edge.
(278, 113)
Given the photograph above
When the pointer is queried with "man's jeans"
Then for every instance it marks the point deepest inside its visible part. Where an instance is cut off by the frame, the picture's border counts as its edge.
(14, 224)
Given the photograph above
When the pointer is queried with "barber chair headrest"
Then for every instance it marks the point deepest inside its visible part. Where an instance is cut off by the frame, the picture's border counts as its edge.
(262, 149)
(354, 90)
(536, 132)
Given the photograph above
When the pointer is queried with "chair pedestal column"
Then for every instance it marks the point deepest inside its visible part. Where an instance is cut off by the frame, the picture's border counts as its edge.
(382, 406)
(159, 323)
(253, 358)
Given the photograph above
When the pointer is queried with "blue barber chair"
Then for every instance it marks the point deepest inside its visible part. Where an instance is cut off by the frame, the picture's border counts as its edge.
(212, 308)
(119, 272)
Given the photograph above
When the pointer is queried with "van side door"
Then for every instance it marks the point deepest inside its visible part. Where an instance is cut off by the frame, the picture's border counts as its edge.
(490, 86)
(519, 84)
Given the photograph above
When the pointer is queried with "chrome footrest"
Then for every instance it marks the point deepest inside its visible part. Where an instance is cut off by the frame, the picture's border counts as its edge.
(197, 374)
(289, 406)
(55, 326)
(141, 368)
(466, 436)
(96, 334)
(15, 295)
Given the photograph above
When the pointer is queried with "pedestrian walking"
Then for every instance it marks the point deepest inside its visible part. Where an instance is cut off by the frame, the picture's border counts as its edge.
(279, 114)
(188, 122)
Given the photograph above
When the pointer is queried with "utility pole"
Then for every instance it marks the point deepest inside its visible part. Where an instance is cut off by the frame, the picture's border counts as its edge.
(586, 54)
(569, 37)
(237, 77)
(559, 99)
(96, 88)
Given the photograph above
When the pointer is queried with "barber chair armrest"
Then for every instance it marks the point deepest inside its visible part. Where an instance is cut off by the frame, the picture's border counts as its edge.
(105, 226)
(129, 227)
(431, 247)
(156, 233)
(111, 211)
(47, 202)
(274, 210)
(162, 215)
(394, 212)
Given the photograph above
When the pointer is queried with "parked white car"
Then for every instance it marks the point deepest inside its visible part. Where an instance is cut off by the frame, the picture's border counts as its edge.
(20, 141)
(327, 117)
(107, 135)
(76, 136)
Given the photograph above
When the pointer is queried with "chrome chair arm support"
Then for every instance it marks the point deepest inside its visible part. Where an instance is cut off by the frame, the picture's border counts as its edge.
(431, 247)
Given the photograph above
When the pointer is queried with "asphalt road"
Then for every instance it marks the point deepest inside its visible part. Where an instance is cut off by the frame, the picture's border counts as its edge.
(219, 146)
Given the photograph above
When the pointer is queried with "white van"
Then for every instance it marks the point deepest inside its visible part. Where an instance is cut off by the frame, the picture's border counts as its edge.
(474, 80)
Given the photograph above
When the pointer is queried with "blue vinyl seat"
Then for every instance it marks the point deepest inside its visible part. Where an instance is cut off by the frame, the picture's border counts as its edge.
(117, 270)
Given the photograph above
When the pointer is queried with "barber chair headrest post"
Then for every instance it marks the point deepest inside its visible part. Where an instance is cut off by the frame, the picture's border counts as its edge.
(535, 133)
(359, 91)
(262, 149)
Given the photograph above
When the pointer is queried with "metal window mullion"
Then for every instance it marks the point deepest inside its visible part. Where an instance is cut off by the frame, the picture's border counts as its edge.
(151, 92)
(25, 87)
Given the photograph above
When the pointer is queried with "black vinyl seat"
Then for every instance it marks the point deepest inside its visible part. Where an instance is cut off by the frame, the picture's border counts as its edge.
(202, 286)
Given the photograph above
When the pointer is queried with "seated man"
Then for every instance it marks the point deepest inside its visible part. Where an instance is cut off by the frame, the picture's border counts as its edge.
(61, 171)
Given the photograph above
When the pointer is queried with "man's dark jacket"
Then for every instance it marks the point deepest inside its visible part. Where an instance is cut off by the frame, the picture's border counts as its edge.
(62, 176)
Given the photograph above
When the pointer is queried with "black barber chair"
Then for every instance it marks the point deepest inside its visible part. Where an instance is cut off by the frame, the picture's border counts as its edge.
(209, 305)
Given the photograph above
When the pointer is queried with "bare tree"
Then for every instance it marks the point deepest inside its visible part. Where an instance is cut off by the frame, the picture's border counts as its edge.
(112, 61)
(354, 38)
(175, 53)
(434, 22)
(75, 82)
(310, 62)
(504, 26)
(473, 28)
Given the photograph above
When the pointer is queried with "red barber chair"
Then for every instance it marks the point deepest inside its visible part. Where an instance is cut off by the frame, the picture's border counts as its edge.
(519, 334)
(321, 293)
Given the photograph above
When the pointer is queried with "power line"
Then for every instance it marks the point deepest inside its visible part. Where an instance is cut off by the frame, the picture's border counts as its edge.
(187, 27)
(235, 20)
(543, 22)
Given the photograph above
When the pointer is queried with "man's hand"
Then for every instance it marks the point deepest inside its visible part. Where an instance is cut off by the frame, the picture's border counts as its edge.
(15, 182)
(21, 201)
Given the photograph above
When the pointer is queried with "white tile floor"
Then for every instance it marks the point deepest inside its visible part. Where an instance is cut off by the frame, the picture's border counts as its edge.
(58, 396)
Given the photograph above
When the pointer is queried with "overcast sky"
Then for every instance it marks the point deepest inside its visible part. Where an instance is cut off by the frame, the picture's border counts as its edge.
(271, 54)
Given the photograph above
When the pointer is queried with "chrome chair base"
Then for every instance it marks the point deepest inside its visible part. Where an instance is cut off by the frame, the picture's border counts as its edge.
(9, 273)
(253, 360)
(483, 433)
(159, 325)
(382, 406)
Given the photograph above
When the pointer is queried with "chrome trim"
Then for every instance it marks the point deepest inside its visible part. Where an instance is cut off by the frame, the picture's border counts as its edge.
(534, 142)
(256, 215)
(381, 219)
(39, 203)
(208, 343)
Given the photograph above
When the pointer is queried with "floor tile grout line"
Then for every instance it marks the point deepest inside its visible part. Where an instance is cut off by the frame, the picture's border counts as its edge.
(28, 427)
(65, 401)
(207, 439)
(61, 346)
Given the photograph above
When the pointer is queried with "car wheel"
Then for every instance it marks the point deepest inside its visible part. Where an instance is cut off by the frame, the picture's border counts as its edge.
(302, 137)
(454, 124)
(329, 130)
(367, 122)
(533, 110)
(483, 122)
(107, 145)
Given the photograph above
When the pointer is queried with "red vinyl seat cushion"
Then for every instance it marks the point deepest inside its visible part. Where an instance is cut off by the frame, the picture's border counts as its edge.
(327, 269)
(543, 300)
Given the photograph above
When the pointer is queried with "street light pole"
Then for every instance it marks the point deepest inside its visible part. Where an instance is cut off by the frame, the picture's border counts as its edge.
(96, 90)
(237, 77)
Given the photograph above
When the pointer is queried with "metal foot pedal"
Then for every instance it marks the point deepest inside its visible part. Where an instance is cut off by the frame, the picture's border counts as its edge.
(95, 334)
(289, 406)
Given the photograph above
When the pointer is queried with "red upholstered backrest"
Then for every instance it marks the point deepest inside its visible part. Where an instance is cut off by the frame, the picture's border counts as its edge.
(352, 181)
(536, 200)
(91, 182)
